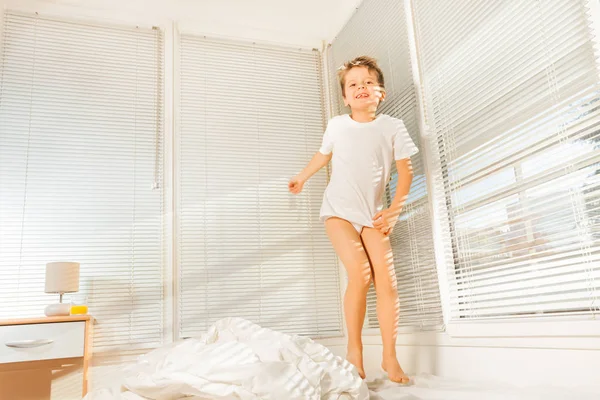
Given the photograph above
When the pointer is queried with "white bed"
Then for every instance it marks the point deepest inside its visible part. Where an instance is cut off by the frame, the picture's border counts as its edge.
(238, 360)
(427, 387)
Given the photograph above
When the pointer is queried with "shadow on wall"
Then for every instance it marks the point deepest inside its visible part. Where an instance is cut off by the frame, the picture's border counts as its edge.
(119, 305)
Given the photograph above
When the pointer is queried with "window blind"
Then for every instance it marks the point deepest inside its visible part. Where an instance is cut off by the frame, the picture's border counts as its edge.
(412, 241)
(511, 92)
(81, 171)
(250, 117)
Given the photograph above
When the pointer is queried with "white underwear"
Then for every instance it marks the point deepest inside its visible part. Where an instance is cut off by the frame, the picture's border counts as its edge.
(356, 226)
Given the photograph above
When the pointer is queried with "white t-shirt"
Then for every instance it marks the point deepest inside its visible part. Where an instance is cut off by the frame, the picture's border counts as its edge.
(363, 153)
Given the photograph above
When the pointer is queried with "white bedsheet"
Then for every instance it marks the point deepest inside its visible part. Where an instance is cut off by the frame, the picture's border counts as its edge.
(236, 359)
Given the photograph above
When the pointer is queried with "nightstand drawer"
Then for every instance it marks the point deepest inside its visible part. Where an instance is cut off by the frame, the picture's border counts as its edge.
(33, 342)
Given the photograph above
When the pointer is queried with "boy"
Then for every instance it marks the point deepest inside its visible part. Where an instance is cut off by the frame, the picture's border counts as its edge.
(362, 146)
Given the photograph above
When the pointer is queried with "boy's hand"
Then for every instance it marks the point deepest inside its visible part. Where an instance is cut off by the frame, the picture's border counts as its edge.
(385, 221)
(295, 185)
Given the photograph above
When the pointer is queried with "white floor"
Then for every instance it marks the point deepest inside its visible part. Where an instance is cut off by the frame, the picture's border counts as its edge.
(427, 387)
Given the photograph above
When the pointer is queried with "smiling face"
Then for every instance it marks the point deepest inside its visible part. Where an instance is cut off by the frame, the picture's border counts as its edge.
(362, 90)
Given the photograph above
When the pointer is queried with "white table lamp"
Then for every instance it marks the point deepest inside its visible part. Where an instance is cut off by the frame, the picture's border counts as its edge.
(61, 278)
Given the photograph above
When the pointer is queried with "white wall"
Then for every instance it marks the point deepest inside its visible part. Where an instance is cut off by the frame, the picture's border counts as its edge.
(299, 23)
(2, 6)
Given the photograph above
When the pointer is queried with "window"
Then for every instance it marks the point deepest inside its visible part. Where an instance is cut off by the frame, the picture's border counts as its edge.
(81, 171)
(511, 91)
(250, 117)
(412, 239)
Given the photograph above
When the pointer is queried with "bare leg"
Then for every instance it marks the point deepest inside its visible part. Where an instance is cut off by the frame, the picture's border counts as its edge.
(388, 306)
(349, 248)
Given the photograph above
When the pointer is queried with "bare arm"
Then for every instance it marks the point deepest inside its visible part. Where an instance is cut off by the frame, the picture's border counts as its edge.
(386, 219)
(318, 161)
(405, 177)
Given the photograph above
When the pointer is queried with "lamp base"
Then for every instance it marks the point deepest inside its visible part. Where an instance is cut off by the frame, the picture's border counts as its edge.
(58, 309)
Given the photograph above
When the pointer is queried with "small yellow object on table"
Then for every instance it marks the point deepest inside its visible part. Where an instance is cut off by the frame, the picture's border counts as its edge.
(79, 305)
(79, 310)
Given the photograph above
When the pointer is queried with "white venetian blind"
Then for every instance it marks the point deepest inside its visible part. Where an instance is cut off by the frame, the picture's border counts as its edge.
(80, 152)
(512, 95)
(250, 117)
(378, 29)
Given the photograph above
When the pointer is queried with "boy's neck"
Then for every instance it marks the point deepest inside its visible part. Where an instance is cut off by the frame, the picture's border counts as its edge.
(363, 115)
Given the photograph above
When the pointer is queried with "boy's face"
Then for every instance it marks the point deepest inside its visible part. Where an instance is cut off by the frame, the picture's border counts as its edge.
(362, 91)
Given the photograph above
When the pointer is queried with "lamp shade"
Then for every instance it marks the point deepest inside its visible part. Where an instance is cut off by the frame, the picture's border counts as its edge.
(62, 277)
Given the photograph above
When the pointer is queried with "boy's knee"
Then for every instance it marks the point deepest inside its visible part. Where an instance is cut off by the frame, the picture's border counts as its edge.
(360, 283)
(387, 287)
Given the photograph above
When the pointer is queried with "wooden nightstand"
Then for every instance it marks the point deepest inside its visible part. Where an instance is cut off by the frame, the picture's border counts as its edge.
(30, 349)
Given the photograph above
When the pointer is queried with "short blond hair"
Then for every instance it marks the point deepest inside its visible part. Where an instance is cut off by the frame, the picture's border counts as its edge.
(361, 61)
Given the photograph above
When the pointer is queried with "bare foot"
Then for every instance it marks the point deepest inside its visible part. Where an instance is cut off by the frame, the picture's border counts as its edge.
(355, 358)
(392, 367)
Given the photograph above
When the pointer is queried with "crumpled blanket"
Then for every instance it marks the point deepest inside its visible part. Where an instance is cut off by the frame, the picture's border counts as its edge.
(236, 359)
